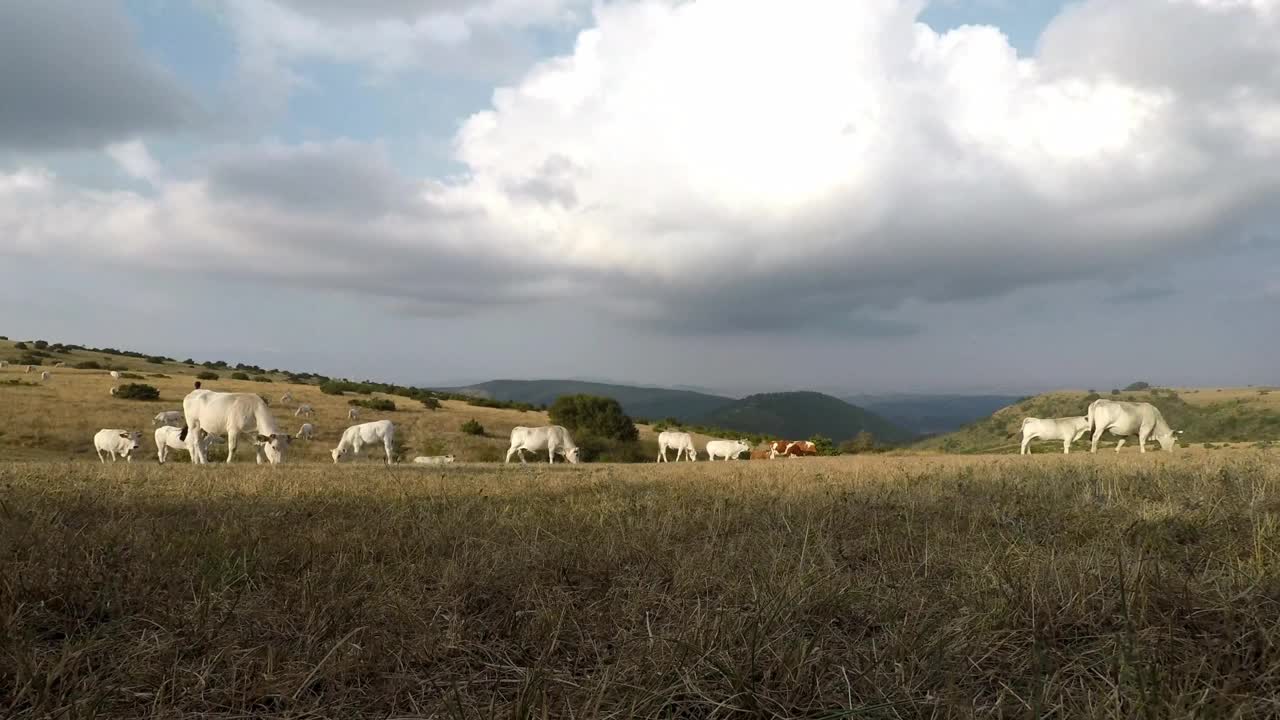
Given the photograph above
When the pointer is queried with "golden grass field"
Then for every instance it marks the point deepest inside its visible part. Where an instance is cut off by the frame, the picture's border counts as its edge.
(893, 586)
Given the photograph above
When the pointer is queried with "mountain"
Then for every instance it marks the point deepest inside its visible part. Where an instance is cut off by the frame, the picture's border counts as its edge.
(638, 402)
(798, 415)
(932, 414)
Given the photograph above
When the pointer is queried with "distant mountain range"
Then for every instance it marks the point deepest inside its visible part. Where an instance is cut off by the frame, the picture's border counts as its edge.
(932, 414)
(785, 414)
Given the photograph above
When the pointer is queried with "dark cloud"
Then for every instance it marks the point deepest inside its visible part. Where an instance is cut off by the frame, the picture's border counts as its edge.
(1140, 294)
(72, 76)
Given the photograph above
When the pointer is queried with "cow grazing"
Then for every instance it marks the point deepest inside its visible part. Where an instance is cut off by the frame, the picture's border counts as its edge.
(433, 460)
(356, 437)
(552, 438)
(44, 375)
(115, 389)
(115, 375)
(286, 398)
(1067, 429)
(306, 431)
(117, 442)
(232, 415)
(304, 410)
(29, 369)
(353, 414)
(727, 449)
(169, 438)
(168, 417)
(681, 442)
(1124, 419)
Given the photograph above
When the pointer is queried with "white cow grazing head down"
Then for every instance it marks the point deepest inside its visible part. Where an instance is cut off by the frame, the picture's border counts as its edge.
(356, 437)
(1125, 419)
(554, 439)
(306, 431)
(44, 375)
(232, 415)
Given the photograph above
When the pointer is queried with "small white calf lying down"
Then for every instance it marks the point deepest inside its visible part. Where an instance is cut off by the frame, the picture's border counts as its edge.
(44, 375)
(433, 460)
(168, 417)
(114, 442)
(1125, 419)
(727, 449)
(59, 364)
(232, 415)
(169, 438)
(356, 437)
(1067, 429)
(306, 431)
(552, 438)
(353, 414)
(304, 410)
(681, 442)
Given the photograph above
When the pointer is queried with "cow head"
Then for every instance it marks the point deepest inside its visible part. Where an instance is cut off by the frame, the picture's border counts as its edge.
(448, 458)
(272, 447)
(573, 455)
(1168, 440)
(338, 453)
(134, 439)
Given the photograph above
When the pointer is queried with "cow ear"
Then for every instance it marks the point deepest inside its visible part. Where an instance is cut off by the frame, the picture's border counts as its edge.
(263, 439)
(124, 435)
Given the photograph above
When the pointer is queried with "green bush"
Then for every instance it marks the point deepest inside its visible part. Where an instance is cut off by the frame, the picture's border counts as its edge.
(379, 404)
(471, 427)
(159, 375)
(593, 448)
(28, 360)
(1115, 391)
(594, 415)
(1136, 386)
(87, 365)
(19, 346)
(130, 376)
(430, 403)
(41, 344)
(137, 391)
(156, 359)
(239, 376)
(261, 379)
(207, 375)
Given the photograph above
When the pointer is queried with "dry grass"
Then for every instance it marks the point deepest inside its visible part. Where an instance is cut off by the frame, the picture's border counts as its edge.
(856, 587)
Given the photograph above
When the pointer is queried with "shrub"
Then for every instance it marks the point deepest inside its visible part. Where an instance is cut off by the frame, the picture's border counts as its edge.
(1115, 391)
(138, 391)
(28, 360)
(430, 403)
(823, 445)
(380, 404)
(593, 415)
(471, 427)
(87, 365)
(863, 442)
(593, 448)
(41, 345)
(130, 376)
(19, 346)
(157, 359)
(261, 378)
(207, 375)
(159, 375)
(1136, 386)
(4, 337)
(239, 376)
(189, 362)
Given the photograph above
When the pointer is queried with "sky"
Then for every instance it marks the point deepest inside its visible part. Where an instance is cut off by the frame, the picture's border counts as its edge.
(739, 195)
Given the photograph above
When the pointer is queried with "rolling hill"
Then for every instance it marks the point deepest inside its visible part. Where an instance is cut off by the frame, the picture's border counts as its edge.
(802, 415)
(932, 414)
(638, 402)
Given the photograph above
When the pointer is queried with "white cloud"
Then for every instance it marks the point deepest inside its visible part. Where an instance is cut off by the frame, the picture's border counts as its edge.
(731, 165)
(134, 158)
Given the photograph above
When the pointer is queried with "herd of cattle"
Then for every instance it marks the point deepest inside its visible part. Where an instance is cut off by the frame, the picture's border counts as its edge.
(208, 417)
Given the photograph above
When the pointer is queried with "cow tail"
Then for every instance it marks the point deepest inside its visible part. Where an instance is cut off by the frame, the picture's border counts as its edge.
(183, 435)
(1089, 417)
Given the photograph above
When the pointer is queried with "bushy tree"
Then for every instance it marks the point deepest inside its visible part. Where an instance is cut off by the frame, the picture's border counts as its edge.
(1136, 386)
(471, 427)
(138, 391)
(863, 442)
(207, 375)
(823, 445)
(239, 376)
(594, 415)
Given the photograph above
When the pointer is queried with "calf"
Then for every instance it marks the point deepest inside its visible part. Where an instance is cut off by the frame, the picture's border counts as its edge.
(433, 460)
(353, 414)
(168, 417)
(44, 376)
(306, 431)
(304, 410)
(1067, 429)
(356, 437)
(169, 438)
(727, 449)
(117, 442)
(115, 375)
(115, 389)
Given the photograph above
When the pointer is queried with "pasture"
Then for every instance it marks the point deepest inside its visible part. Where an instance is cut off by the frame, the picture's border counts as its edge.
(1078, 586)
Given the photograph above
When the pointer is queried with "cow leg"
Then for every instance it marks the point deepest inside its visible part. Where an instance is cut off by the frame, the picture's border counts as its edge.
(1066, 446)
(386, 445)
(1097, 435)
(1026, 442)
(1142, 439)
(100, 458)
(510, 450)
(1120, 444)
(551, 453)
(232, 438)
(662, 454)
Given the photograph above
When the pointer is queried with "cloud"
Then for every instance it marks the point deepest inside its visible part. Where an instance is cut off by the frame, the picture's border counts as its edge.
(135, 159)
(733, 167)
(72, 77)
(1140, 294)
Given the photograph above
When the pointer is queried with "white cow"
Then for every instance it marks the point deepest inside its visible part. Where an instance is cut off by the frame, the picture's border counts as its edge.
(28, 369)
(356, 437)
(552, 438)
(115, 375)
(433, 460)
(59, 364)
(304, 410)
(1067, 429)
(44, 375)
(306, 431)
(115, 389)
(114, 441)
(1124, 419)
(169, 438)
(232, 415)
(286, 398)
(168, 417)
(353, 414)
(728, 449)
(681, 442)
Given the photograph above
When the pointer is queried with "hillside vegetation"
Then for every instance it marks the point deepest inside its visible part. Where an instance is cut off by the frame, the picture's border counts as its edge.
(1203, 416)
(1080, 586)
(638, 402)
(932, 414)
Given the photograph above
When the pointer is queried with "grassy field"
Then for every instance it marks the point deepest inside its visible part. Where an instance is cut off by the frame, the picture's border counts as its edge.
(1080, 586)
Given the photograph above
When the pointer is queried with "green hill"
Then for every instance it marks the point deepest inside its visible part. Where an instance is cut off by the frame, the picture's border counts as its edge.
(797, 415)
(926, 414)
(638, 402)
(1200, 416)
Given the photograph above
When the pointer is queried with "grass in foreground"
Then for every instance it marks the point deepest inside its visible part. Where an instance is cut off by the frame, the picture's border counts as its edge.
(870, 587)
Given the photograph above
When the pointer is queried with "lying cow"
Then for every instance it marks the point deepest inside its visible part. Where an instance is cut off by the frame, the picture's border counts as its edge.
(168, 417)
(681, 442)
(232, 415)
(1067, 429)
(552, 438)
(356, 437)
(169, 438)
(117, 442)
(1125, 419)
(433, 460)
(791, 448)
(727, 449)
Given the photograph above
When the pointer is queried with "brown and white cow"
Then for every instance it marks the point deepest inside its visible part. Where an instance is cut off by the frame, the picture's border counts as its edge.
(792, 448)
